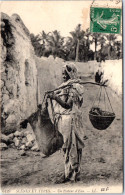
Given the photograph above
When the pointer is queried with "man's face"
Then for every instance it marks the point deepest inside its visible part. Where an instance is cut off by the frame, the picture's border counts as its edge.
(65, 76)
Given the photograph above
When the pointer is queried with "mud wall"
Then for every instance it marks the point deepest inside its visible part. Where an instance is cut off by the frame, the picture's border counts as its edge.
(113, 72)
(49, 74)
(18, 73)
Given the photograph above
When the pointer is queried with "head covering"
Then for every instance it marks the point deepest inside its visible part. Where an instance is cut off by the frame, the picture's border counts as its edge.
(71, 70)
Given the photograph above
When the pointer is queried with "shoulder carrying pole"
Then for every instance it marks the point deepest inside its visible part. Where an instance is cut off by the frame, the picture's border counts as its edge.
(79, 82)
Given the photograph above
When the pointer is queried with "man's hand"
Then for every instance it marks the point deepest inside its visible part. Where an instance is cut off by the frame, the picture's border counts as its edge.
(51, 96)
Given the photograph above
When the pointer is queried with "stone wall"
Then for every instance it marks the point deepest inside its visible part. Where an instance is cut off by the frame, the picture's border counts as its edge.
(18, 73)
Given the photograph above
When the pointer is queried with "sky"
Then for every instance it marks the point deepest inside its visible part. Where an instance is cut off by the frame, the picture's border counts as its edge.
(63, 16)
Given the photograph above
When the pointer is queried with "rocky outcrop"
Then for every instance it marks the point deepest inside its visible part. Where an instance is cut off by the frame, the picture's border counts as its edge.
(18, 73)
(22, 139)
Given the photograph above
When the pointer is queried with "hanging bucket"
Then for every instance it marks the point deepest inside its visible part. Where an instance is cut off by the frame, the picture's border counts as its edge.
(101, 119)
(101, 122)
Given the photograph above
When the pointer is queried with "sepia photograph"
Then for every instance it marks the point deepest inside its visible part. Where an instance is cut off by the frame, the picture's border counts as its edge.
(61, 97)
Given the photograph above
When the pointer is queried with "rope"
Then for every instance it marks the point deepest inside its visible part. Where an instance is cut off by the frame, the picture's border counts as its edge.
(52, 110)
(100, 95)
(109, 99)
(43, 99)
(104, 102)
(96, 97)
(54, 119)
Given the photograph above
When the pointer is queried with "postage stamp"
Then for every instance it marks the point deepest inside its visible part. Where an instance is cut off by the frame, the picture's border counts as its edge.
(105, 20)
(61, 84)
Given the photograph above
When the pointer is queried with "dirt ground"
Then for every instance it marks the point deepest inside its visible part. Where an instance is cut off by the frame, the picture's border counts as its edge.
(101, 161)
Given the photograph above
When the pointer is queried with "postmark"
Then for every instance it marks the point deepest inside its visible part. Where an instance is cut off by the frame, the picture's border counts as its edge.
(105, 20)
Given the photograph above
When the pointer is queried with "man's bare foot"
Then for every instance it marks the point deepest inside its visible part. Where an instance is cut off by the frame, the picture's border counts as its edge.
(62, 180)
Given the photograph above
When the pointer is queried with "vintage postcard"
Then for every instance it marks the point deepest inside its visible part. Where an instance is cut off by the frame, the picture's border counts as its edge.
(61, 97)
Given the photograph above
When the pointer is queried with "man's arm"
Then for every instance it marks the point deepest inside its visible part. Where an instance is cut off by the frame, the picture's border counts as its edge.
(66, 105)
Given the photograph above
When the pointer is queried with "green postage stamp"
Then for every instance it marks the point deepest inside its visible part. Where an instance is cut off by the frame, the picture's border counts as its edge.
(105, 20)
